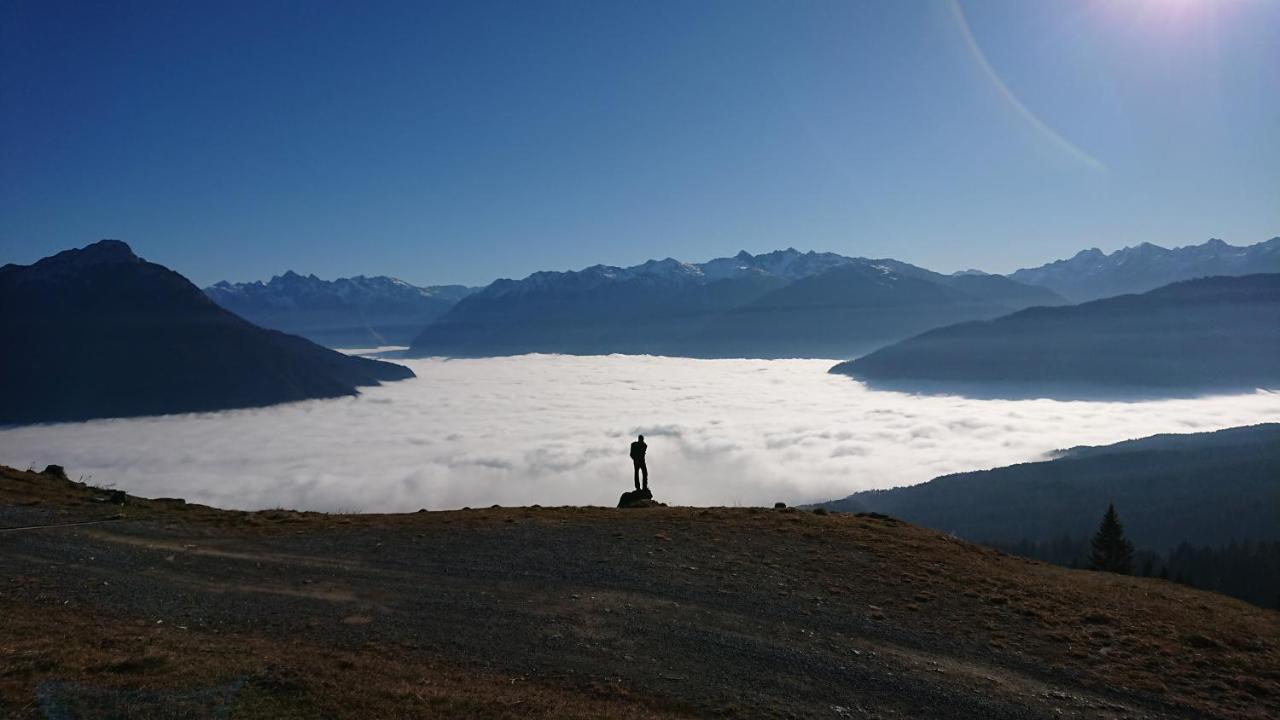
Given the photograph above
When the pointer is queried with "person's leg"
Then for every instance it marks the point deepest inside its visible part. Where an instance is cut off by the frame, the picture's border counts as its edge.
(638, 475)
(644, 467)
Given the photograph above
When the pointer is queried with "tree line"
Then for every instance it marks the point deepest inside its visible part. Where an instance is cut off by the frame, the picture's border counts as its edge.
(1246, 570)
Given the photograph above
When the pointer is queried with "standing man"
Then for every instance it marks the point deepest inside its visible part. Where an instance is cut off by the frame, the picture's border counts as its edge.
(637, 457)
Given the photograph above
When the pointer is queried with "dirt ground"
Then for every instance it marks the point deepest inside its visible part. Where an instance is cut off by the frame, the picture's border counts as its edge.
(163, 609)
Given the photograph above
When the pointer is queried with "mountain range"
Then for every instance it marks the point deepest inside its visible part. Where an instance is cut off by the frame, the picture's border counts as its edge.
(348, 312)
(99, 332)
(781, 304)
(1206, 335)
(1092, 274)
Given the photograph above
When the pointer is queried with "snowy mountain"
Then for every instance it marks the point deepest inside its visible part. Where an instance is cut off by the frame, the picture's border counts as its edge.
(1092, 274)
(348, 312)
(780, 304)
(789, 264)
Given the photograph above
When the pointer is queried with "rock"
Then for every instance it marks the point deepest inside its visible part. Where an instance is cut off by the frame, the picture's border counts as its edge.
(55, 470)
(636, 499)
(779, 506)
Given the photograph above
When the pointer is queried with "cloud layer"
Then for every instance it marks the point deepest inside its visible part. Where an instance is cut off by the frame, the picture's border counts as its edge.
(554, 430)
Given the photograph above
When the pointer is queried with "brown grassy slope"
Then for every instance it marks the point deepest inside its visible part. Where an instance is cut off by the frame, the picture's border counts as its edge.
(588, 612)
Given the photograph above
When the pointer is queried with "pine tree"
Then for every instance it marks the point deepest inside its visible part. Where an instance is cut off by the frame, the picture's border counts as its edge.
(1111, 551)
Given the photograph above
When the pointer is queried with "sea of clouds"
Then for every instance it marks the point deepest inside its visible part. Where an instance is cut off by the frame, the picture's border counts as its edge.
(555, 430)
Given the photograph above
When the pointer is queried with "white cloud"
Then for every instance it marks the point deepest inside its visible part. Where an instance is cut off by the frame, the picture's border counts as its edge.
(554, 430)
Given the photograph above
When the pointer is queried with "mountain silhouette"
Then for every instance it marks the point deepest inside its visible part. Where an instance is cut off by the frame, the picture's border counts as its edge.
(99, 332)
(1203, 490)
(1210, 335)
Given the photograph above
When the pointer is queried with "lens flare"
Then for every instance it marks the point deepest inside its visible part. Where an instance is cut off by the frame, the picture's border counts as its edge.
(1042, 128)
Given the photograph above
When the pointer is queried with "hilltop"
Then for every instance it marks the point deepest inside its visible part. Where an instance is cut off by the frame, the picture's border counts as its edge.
(588, 612)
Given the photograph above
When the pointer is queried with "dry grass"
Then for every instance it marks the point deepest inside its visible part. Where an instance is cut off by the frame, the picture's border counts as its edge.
(1003, 624)
(293, 679)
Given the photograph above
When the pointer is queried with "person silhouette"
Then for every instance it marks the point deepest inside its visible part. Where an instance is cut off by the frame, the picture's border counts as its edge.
(637, 458)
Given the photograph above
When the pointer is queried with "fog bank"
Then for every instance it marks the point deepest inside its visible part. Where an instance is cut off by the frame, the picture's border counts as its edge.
(554, 430)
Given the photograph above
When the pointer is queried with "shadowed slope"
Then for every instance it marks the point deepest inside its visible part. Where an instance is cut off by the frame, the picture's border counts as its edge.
(100, 332)
(1203, 488)
(1213, 334)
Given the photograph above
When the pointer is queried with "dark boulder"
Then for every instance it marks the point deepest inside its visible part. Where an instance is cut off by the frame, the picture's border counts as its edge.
(56, 471)
(637, 499)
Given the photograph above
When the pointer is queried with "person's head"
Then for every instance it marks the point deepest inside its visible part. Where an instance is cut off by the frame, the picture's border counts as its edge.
(641, 438)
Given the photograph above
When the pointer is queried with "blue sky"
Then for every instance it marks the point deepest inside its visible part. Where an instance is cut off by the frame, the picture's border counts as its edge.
(459, 142)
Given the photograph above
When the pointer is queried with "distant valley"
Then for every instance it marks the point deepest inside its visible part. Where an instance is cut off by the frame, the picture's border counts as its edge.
(785, 303)
(112, 335)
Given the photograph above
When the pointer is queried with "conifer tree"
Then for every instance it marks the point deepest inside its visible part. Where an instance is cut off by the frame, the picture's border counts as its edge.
(1111, 551)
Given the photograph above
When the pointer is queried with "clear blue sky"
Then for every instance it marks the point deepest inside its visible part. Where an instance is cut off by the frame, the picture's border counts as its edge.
(459, 142)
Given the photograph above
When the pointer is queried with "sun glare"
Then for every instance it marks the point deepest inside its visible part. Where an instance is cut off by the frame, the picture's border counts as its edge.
(1165, 15)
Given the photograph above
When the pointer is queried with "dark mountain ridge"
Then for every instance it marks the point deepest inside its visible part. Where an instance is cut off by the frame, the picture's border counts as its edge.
(1203, 488)
(1219, 334)
(103, 333)
(1205, 506)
